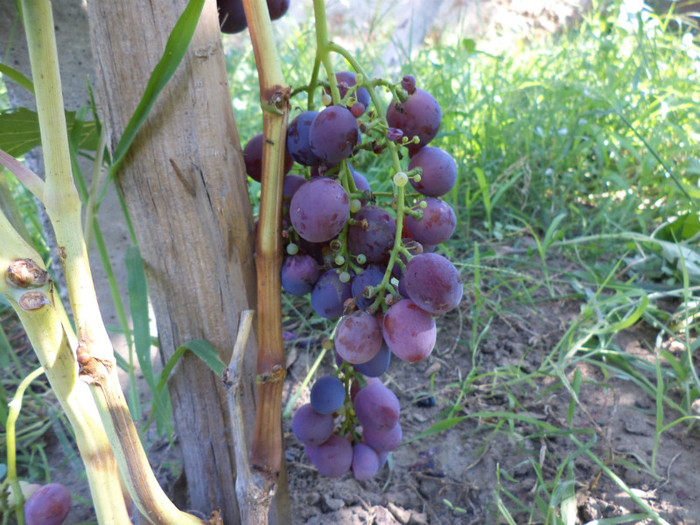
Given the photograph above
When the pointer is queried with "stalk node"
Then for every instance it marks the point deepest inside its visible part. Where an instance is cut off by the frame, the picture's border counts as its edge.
(25, 273)
(275, 375)
(33, 300)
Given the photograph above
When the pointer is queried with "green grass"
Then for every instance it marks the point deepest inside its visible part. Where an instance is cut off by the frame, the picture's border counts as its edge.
(578, 183)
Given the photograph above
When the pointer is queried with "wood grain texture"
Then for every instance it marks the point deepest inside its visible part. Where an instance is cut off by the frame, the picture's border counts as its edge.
(184, 184)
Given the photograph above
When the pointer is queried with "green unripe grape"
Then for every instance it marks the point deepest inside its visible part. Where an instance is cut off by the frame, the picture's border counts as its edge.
(339, 260)
(361, 258)
(344, 277)
(417, 178)
(423, 205)
(326, 99)
(292, 249)
(400, 179)
(355, 205)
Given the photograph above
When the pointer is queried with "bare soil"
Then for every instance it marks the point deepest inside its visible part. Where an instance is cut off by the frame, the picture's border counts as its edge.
(452, 477)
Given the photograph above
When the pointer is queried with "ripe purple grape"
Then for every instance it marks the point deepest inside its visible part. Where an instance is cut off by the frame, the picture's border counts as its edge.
(332, 458)
(310, 427)
(409, 331)
(299, 274)
(439, 171)
(437, 224)
(252, 157)
(383, 441)
(358, 337)
(333, 134)
(374, 233)
(319, 209)
(365, 462)
(347, 79)
(433, 283)
(327, 395)
(377, 407)
(49, 505)
(377, 365)
(419, 115)
(372, 276)
(231, 16)
(298, 139)
(329, 295)
(277, 8)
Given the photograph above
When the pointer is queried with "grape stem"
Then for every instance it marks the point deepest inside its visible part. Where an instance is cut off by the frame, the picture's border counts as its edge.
(266, 450)
(324, 48)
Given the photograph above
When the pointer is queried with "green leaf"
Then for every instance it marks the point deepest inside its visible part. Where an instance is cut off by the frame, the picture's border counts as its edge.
(199, 347)
(175, 49)
(19, 131)
(17, 76)
(207, 353)
(469, 46)
(681, 229)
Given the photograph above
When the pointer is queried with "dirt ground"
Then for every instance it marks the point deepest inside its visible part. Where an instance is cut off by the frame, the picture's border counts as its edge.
(451, 477)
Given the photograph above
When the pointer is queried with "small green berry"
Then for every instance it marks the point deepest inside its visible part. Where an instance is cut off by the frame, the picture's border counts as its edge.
(400, 179)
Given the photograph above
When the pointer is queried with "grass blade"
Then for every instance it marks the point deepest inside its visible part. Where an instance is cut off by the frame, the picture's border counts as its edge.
(175, 49)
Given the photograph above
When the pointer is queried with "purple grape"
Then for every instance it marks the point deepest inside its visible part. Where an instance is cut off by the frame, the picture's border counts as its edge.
(277, 8)
(361, 182)
(376, 407)
(346, 79)
(289, 187)
(437, 224)
(373, 235)
(298, 139)
(439, 171)
(49, 505)
(329, 295)
(310, 427)
(413, 247)
(231, 16)
(319, 209)
(372, 276)
(333, 134)
(252, 157)
(408, 83)
(409, 331)
(332, 458)
(299, 274)
(377, 365)
(383, 441)
(365, 462)
(433, 283)
(358, 337)
(419, 115)
(327, 395)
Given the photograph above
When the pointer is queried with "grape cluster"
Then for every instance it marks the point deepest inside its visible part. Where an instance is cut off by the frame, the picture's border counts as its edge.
(365, 258)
